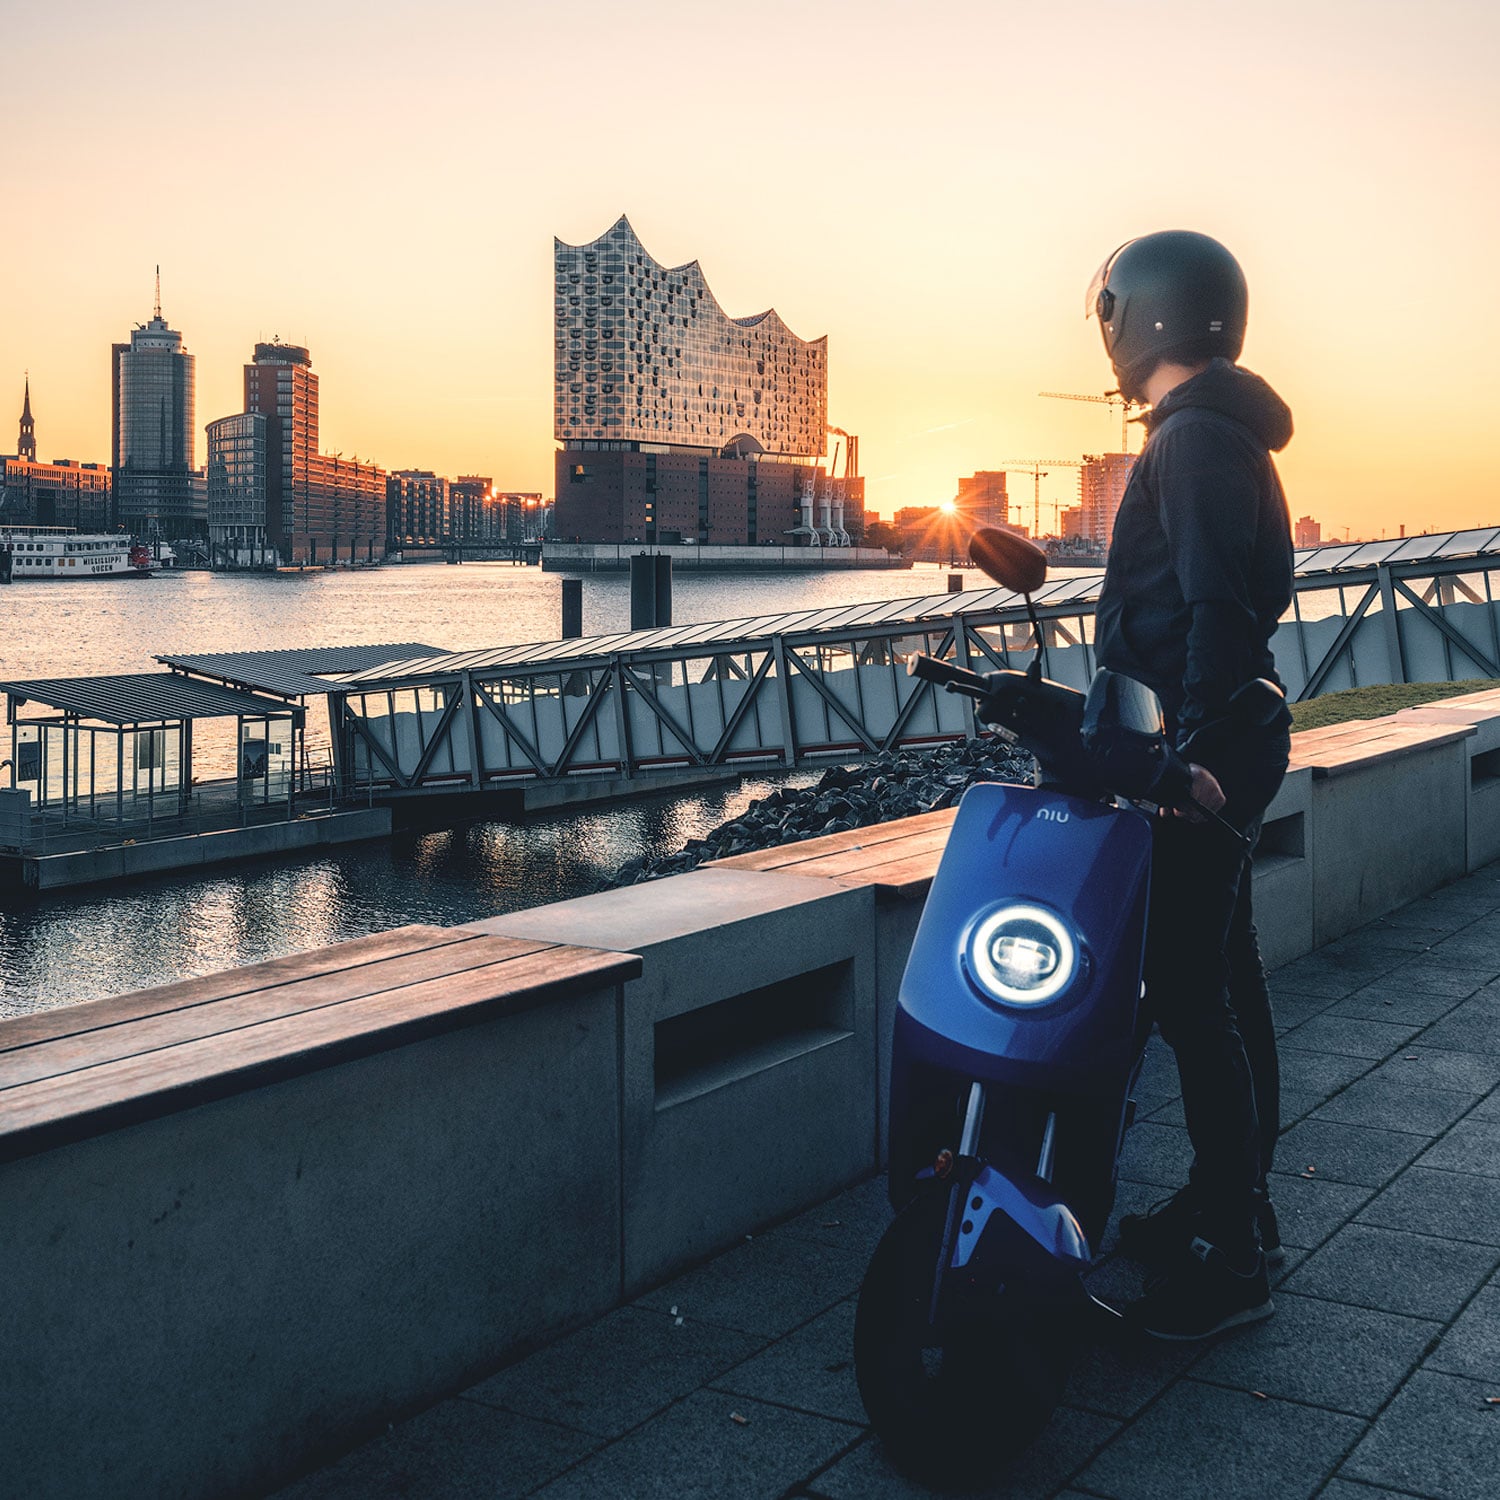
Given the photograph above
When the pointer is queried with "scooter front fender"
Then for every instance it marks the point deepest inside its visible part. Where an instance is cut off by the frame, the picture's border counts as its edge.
(1029, 1203)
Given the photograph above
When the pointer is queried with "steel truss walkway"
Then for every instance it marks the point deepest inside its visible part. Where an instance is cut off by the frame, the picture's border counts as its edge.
(789, 689)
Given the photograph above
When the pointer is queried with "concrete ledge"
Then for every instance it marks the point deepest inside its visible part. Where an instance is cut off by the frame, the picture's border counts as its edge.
(750, 1036)
(1481, 713)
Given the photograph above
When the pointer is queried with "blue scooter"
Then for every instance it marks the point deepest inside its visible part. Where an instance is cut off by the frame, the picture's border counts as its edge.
(1016, 1046)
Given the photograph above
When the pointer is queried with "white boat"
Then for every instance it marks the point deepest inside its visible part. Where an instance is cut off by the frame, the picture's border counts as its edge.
(58, 552)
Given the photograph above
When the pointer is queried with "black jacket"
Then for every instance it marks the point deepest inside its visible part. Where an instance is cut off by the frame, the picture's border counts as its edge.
(1200, 564)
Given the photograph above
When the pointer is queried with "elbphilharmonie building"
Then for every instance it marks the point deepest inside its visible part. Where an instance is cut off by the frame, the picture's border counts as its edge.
(677, 421)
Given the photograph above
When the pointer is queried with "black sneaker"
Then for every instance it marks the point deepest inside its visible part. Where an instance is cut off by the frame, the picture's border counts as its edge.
(1159, 1235)
(1201, 1295)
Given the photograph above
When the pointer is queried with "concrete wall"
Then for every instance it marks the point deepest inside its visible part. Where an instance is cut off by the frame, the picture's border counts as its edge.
(204, 1304)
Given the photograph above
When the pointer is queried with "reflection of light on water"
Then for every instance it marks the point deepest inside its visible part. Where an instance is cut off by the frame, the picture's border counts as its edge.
(98, 942)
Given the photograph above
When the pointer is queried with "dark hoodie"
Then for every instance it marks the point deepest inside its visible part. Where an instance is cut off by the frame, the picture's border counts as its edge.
(1200, 564)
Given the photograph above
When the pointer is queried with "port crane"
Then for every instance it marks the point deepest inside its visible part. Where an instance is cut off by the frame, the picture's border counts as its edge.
(1111, 399)
(1037, 468)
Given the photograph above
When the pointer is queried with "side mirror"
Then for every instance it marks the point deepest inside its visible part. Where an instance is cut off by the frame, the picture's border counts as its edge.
(1012, 561)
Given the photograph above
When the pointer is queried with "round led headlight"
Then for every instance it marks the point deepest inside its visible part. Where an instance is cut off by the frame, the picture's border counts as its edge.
(1022, 955)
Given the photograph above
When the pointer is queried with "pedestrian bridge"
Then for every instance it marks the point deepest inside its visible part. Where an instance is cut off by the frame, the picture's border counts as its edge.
(790, 689)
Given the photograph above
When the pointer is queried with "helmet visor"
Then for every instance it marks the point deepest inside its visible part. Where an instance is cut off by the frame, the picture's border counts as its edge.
(1099, 301)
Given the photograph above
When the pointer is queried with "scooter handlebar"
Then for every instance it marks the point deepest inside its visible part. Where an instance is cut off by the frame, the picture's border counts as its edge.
(945, 674)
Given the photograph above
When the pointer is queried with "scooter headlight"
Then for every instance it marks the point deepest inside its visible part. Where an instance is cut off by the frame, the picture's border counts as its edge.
(1022, 955)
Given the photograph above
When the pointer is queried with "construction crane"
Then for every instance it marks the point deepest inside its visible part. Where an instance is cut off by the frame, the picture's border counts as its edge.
(1112, 399)
(1033, 466)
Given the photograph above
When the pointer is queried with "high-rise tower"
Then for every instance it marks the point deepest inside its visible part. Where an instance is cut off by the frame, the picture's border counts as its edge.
(153, 430)
(26, 443)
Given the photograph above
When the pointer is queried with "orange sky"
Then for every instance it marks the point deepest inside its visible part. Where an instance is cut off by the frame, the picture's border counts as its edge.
(929, 186)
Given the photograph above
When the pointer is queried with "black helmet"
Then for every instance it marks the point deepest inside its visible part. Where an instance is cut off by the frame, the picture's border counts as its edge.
(1173, 294)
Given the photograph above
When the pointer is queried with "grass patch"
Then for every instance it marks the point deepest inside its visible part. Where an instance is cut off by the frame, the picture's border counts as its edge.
(1376, 702)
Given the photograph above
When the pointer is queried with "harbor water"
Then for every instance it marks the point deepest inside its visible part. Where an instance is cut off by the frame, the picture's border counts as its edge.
(106, 940)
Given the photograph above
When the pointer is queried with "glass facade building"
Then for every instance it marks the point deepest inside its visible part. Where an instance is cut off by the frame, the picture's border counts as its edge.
(153, 431)
(238, 478)
(677, 421)
(645, 353)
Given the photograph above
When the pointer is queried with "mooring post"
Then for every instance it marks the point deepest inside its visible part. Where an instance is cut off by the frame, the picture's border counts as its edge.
(572, 608)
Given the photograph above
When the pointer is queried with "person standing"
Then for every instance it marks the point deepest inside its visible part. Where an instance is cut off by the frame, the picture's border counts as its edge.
(1199, 573)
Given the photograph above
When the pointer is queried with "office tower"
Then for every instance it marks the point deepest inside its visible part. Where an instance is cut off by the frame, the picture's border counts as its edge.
(678, 422)
(417, 508)
(319, 507)
(238, 479)
(982, 499)
(152, 431)
(1102, 484)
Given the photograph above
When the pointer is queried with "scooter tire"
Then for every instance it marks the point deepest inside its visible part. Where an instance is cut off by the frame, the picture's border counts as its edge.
(956, 1402)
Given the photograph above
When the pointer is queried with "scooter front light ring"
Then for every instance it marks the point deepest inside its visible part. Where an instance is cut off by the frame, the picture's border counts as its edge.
(1021, 954)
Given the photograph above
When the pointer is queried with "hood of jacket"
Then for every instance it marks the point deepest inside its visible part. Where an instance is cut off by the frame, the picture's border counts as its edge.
(1233, 392)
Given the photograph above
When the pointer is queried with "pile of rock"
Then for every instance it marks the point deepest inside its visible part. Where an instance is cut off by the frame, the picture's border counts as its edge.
(876, 791)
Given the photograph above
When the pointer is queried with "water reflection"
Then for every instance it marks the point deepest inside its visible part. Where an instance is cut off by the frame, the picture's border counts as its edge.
(91, 943)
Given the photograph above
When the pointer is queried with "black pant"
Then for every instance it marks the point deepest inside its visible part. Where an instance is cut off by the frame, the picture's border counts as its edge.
(1206, 989)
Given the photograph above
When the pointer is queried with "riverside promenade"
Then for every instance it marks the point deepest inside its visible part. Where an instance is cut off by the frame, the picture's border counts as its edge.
(1378, 1376)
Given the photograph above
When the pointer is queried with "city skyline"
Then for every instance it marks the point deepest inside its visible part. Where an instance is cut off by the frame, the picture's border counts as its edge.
(929, 195)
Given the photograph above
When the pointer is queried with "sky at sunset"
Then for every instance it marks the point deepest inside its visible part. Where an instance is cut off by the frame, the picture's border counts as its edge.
(930, 186)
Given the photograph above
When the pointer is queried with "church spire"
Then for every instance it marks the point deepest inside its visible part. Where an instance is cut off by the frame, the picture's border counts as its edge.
(26, 444)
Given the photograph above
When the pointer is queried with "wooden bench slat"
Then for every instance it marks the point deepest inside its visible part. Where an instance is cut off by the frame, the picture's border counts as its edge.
(901, 879)
(786, 855)
(201, 1021)
(88, 1015)
(854, 861)
(52, 1111)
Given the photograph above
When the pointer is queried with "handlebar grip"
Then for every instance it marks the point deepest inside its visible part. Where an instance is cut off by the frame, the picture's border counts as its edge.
(931, 669)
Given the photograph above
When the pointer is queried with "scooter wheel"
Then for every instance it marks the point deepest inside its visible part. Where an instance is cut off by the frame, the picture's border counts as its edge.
(957, 1398)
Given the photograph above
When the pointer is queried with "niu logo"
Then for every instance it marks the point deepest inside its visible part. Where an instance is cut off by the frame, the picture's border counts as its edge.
(1053, 815)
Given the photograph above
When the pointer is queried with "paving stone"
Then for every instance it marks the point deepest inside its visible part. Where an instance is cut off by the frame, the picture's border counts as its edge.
(1158, 1073)
(1473, 1026)
(1473, 1145)
(1321, 1353)
(1371, 950)
(1400, 939)
(695, 1450)
(1390, 1105)
(1347, 1489)
(1477, 947)
(1417, 1275)
(769, 1285)
(1200, 1442)
(1395, 1004)
(1297, 1104)
(454, 1451)
(1346, 1153)
(1472, 1346)
(1426, 976)
(1308, 1210)
(1322, 1073)
(1488, 1108)
(855, 1219)
(1319, 975)
(1350, 1038)
(1121, 1377)
(1067, 1442)
(1434, 1068)
(1289, 1009)
(1438, 1438)
(811, 1369)
(614, 1374)
(1156, 1154)
(1451, 1205)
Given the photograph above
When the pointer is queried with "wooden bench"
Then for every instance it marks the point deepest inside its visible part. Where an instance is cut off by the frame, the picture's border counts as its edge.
(898, 858)
(98, 1065)
(1337, 749)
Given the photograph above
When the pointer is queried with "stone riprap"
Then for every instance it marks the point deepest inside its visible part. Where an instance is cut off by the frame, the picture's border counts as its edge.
(887, 787)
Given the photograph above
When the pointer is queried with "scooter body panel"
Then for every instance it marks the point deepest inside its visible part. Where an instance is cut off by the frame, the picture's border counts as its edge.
(1088, 864)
